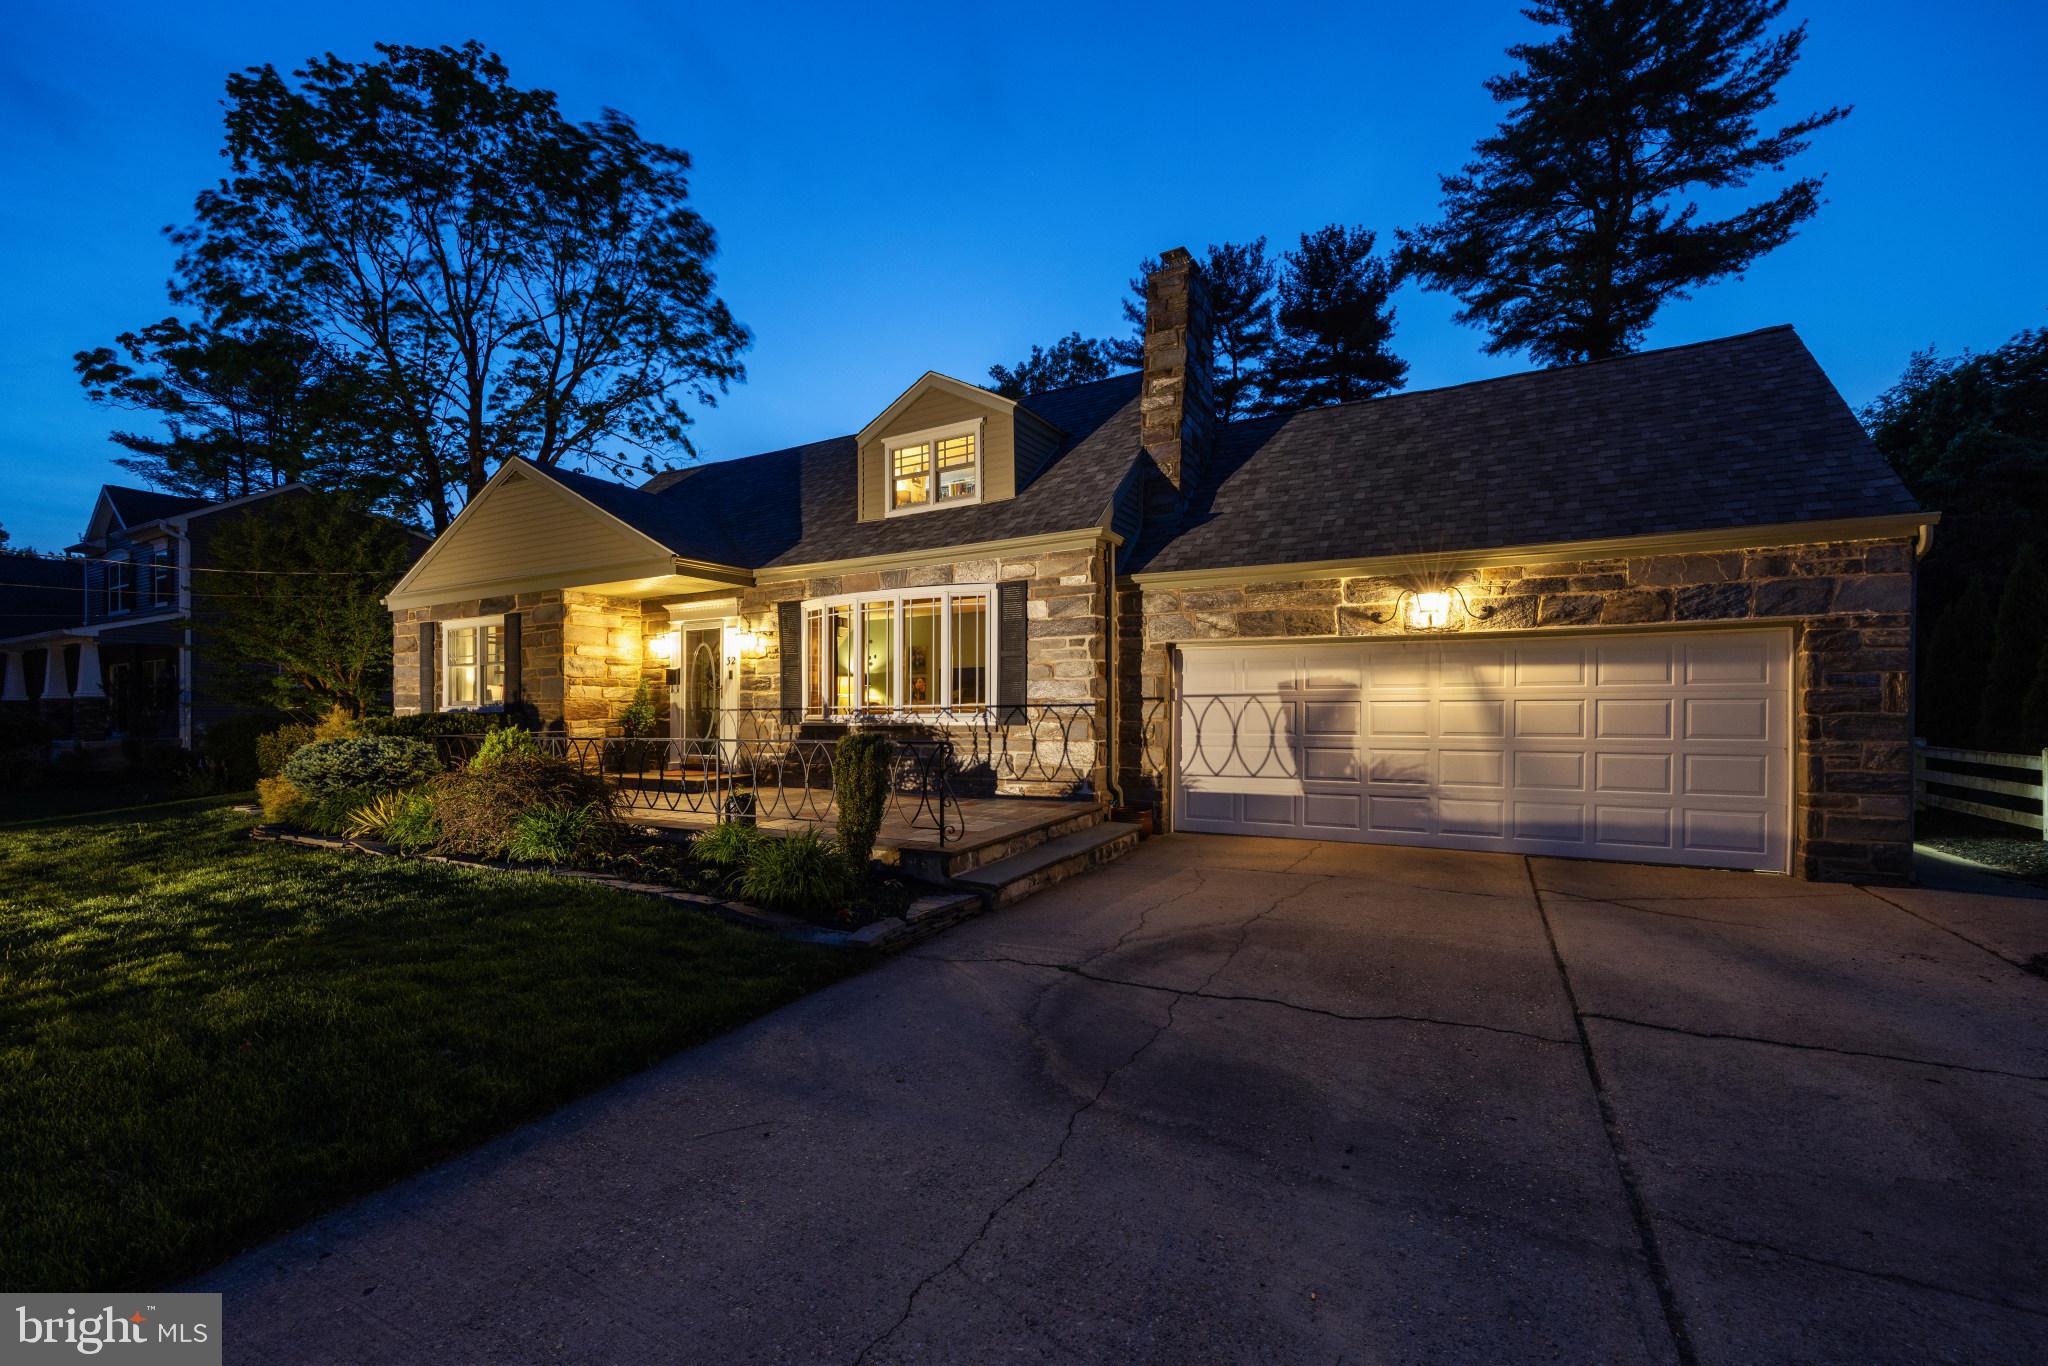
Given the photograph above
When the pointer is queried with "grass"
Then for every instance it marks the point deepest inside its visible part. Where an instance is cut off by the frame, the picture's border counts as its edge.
(205, 1040)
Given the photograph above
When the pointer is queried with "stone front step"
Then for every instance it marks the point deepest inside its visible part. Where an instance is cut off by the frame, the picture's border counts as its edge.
(952, 862)
(1011, 879)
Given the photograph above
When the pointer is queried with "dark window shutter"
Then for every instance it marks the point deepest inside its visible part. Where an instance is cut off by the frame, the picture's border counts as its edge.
(1013, 650)
(430, 676)
(789, 628)
(513, 695)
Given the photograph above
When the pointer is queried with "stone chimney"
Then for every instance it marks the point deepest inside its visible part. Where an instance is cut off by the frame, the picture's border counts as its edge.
(1177, 404)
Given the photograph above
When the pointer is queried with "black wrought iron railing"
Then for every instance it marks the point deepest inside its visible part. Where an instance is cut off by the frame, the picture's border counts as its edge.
(1036, 749)
(764, 778)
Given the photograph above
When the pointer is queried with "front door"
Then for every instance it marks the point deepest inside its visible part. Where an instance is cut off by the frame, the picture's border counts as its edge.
(697, 712)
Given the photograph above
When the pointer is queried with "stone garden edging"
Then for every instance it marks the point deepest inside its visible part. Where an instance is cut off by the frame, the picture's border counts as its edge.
(925, 917)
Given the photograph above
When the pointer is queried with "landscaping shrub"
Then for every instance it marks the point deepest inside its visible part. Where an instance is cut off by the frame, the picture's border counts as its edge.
(502, 742)
(727, 847)
(437, 723)
(403, 819)
(546, 834)
(281, 799)
(479, 806)
(801, 874)
(860, 782)
(230, 748)
(273, 749)
(335, 813)
(376, 763)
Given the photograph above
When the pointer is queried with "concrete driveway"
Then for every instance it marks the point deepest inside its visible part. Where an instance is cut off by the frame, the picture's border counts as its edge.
(1237, 1099)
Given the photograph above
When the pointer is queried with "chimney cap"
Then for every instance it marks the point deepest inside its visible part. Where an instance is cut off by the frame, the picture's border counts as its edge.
(1175, 256)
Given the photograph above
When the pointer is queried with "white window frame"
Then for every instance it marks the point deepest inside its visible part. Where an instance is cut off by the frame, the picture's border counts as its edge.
(974, 427)
(945, 711)
(441, 656)
(118, 588)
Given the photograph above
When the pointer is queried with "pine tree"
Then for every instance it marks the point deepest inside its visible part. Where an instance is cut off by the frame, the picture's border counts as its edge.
(1240, 278)
(2017, 643)
(1073, 359)
(1335, 324)
(1952, 679)
(1573, 223)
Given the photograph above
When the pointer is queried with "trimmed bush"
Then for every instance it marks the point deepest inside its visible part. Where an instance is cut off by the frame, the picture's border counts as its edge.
(860, 781)
(546, 834)
(504, 741)
(800, 874)
(727, 846)
(479, 807)
(374, 763)
(273, 749)
(437, 723)
(281, 799)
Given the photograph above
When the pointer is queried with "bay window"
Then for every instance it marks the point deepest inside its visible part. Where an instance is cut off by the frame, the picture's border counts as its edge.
(918, 650)
(472, 664)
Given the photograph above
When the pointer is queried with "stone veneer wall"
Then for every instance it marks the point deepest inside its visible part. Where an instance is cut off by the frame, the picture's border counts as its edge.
(1851, 605)
(581, 655)
(1066, 655)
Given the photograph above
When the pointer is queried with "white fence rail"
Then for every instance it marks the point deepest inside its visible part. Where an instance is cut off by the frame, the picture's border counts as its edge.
(2022, 775)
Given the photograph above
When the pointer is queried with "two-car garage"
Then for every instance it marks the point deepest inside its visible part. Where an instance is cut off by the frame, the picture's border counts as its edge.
(1662, 747)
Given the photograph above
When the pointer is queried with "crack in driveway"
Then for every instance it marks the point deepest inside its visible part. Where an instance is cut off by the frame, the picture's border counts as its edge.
(1811, 1047)
(1073, 1120)
(2000, 955)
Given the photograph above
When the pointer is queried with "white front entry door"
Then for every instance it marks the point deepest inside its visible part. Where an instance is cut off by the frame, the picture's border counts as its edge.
(1668, 747)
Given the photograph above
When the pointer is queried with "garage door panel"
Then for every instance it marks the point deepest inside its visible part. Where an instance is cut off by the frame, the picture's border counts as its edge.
(1667, 747)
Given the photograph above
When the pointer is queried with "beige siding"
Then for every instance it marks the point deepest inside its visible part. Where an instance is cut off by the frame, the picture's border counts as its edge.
(520, 528)
(937, 408)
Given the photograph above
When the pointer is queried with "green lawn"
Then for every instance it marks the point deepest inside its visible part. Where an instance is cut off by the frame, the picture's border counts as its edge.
(204, 1040)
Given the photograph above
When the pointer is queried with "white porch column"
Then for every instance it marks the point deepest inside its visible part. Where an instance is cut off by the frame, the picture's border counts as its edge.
(15, 687)
(56, 686)
(89, 670)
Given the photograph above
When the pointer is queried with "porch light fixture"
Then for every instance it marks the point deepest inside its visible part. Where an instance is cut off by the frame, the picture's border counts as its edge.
(663, 647)
(1432, 609)
(750, 643)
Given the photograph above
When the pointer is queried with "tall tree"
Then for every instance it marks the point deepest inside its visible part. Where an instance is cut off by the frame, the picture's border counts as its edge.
(1574, 221)
(1954, 667)
(245, 407)
(1336, 327)
(301, 624)
(510, 282)
(1240, 278)
(1073, 359)
(2019, 641)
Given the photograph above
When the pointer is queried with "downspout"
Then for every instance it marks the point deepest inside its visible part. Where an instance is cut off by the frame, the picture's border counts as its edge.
(1113, 648)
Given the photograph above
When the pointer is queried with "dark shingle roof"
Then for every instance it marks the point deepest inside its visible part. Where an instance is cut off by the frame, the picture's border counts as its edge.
(1745, 431)
(136, 506)
(797, 506)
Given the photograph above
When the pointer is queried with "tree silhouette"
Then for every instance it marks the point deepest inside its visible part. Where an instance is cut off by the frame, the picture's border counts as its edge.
(1573, 222)
(1073, 359)
(1240, 278)
(1335, 324)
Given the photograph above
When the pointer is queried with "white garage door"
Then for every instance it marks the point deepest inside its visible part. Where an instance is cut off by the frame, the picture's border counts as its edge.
(1661, 748)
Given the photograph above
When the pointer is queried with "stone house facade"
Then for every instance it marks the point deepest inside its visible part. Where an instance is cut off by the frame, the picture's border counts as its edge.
(1065, 585)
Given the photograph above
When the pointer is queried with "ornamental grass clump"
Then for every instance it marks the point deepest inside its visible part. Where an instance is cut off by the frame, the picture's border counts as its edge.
(364, 763)
(800, 874)
(557, 835)
(726, 847)
(404, 820)
(479, 807)
(860, 783)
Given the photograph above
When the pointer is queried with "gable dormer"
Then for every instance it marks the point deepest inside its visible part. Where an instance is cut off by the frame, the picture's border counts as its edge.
(948, 444)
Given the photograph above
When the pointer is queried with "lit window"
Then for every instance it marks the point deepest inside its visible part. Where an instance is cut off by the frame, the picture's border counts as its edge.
(473, 671)
(922, 651)
(932, 469)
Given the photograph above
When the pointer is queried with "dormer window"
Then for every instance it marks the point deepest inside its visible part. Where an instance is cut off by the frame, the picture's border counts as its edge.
(936, 468)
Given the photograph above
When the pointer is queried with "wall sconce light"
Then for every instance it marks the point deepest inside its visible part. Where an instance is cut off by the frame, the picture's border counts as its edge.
(750, 643)
(663, 647)
(1432, 609)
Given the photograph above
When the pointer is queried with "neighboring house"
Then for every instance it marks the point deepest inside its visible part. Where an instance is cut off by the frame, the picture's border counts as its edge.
(1657, 608)
(110, 643)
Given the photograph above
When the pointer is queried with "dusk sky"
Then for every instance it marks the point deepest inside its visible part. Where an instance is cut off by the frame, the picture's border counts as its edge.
(898, 190)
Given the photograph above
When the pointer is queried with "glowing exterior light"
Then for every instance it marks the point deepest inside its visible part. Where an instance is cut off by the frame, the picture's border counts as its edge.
(1429, 611)
(663, 647)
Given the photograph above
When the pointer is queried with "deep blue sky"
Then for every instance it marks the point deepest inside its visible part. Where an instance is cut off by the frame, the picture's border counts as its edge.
(899, 189)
